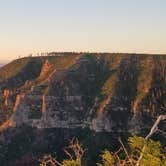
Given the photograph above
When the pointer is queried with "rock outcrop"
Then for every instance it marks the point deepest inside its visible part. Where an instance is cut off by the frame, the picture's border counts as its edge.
(105, 92)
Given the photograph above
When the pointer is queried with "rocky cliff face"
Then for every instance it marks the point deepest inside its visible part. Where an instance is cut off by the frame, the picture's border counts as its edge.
(105, 92)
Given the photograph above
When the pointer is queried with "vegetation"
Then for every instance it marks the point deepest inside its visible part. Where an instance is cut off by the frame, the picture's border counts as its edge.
(139, 152)
(120, 85)
(74, 152)
(154, 154)
(13, 68)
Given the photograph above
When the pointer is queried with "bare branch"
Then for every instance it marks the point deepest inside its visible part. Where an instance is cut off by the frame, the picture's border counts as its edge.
(131, 162)
(152, 131)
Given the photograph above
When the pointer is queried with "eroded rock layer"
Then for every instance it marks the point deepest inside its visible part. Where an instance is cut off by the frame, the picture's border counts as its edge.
(104, 92)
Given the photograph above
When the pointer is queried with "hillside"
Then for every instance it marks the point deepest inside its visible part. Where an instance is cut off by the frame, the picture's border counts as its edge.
(114, 93)
(102, 91)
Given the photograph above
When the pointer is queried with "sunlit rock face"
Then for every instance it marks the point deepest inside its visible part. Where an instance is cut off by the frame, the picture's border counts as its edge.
(48, 111)
(104, 92)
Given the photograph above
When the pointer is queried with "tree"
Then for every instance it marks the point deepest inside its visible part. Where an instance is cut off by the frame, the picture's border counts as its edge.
(74, 153)
(141, 152)
(108, 159)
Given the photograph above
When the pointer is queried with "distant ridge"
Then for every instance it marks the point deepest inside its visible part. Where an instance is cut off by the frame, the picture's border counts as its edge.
(111, 92)
(2, 64)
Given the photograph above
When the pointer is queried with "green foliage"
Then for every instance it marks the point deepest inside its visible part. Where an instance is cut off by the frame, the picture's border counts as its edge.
(153, 151)
(107, 159)
(109, 85)
(13, 68)
(153, 154)
(76, 162)
(74, 151)
(50, 161)
(136, 142)
(61, 62)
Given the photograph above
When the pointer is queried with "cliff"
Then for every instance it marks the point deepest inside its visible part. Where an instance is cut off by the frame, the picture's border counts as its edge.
(104, 92)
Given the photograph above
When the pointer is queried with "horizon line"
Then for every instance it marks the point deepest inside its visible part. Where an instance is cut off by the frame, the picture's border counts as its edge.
(42, 54)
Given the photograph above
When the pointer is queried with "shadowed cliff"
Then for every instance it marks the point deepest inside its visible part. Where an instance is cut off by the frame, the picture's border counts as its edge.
(105, 92)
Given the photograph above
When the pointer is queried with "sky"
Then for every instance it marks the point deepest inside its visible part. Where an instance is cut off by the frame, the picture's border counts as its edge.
(31, 26)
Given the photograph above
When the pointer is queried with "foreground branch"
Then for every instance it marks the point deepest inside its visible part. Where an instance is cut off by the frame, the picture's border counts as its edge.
(152, 131)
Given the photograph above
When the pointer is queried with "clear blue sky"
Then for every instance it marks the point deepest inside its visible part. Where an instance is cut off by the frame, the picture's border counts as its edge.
(29, 26)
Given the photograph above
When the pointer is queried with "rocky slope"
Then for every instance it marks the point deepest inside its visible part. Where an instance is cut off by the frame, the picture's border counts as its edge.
(104, 92)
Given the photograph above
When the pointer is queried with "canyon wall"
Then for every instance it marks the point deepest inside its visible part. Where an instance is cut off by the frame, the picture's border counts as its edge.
(104, 92)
